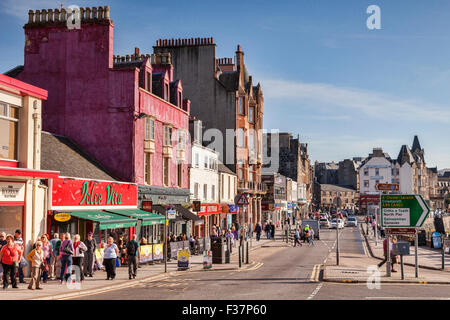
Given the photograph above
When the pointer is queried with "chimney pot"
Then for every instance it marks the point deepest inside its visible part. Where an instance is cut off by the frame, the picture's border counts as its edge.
(44, 15)
(100, 12)
(57, 13)
(50, 15)
(38, 16)
(30, 16)
(94, 13)
(107, 16)
(88, 13)
(137, 51)
(127, 57)
(82, 11)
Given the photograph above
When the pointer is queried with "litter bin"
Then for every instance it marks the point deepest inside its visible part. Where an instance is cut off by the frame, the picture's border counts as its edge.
(436, 240)
(218, 252)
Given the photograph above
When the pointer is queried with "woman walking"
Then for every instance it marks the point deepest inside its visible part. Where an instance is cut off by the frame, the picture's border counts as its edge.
(10, 256)
(79, 248)
(109, 258)
(48, 256)
(36, 256)
(66, 253)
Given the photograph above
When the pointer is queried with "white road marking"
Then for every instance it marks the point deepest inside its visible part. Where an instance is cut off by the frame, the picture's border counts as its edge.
(406, 298)
(315, 291)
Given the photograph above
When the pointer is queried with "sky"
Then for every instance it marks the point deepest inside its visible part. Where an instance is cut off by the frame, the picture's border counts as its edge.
(344, 89)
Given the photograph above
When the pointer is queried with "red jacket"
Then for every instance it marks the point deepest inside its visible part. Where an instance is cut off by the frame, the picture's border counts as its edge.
(10, 255)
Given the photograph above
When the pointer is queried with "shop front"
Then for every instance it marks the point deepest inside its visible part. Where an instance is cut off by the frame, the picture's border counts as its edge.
(211, 215)
(228, 215)
(79, 206)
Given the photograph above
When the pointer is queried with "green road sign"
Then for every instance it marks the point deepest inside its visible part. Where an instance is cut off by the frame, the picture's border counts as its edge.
(403, 211)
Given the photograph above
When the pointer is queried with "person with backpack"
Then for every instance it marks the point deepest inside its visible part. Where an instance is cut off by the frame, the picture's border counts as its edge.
(132, 252)
(306, 233)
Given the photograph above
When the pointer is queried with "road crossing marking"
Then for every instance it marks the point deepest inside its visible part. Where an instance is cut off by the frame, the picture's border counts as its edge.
(256, 267)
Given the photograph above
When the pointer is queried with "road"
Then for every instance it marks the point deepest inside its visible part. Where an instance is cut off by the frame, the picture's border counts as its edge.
(282, 273)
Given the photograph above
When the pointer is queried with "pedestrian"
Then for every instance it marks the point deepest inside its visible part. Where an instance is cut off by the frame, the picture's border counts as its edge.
(272, 234)
(79, 248)
(234, 232)
(132, 252)
(10, 256)
(89, 255)
(2, 243)
(37, 258)
(66, 253)
(122, 250)
(297, 238)
(58, 257)
(392, 240)
(311, 237)
(22, 263)
(48, 257)
(306, 234)
(268, 230)
(56, 243)
(258, 230)
(109, 258)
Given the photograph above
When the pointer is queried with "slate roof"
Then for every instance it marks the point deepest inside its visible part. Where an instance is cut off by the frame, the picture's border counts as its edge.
(13, 73)
(223, 168)
(416, 144)
(334, 187)
(405, 156)
(59, 153)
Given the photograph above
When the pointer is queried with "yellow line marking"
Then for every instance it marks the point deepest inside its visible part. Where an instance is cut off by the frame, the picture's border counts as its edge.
(315, 273)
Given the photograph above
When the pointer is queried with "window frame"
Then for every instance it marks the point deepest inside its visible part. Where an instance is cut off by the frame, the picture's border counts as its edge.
(168, 129)
(6, 115)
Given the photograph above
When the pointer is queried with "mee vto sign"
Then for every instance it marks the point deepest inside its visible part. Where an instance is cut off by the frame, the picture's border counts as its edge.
(403, 211)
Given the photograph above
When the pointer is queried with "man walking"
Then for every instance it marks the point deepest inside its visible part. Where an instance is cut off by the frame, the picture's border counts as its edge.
(267, 229)
(272, 230)
(393, 259)
(19, 242)
(258, 230)
(311, 236)
(132, 252)
(91, 245)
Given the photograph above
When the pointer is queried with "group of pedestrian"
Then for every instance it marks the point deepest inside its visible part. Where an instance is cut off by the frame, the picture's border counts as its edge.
(269, 228)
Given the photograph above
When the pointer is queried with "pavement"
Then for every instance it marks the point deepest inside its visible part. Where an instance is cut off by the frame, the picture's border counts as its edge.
(53, 290)
(362, 267)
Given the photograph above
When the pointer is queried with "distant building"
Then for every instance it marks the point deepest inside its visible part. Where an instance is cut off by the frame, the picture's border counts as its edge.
(335, 197)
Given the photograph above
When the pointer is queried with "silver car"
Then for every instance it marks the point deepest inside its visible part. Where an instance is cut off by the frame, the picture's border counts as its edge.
(324, 223)
(352, 222)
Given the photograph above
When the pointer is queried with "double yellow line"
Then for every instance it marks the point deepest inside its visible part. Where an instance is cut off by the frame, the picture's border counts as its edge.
(315, 273)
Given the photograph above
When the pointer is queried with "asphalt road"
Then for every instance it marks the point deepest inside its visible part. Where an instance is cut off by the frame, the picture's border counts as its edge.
(283, 273)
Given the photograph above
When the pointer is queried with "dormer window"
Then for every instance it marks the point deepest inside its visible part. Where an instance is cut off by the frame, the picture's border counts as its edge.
(148, 81)
(180, 99)
(166, 91)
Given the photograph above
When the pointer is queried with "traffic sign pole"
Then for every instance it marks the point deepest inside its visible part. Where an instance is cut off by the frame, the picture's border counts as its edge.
(416, 253)
(388, 255)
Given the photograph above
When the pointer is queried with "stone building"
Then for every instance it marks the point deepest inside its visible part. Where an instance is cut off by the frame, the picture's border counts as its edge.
(292, 161)
(231, 107)
(331, 196)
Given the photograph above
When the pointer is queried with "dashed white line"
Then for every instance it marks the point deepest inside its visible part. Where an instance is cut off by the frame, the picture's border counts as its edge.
(315, 292)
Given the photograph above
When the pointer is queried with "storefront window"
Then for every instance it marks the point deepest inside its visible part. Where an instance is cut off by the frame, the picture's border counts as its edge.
(10, 218)
(9, 124)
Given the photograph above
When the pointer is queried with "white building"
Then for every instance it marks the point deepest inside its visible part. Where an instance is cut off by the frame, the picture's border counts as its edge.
(204, 179)
(377, 168)
(227, 196)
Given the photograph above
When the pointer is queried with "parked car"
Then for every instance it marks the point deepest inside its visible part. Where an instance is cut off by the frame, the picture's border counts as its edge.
(339, 224)
(352, 222)
(324, 223)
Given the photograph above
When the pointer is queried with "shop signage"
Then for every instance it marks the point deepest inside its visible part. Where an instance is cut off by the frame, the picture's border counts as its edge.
(62, 217)
(387, 187)
(183, 259)
(12, 192)
(401, 231)
(78, 194)
(196, 206)
(171, 214)
(370, 198)
(147, 205)
(207, 259)
(207, 209)
(230, 208)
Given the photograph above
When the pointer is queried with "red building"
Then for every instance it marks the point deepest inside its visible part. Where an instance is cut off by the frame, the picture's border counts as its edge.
(127, 112)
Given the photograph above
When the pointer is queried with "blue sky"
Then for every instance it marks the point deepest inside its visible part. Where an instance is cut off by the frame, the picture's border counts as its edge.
(342, 87)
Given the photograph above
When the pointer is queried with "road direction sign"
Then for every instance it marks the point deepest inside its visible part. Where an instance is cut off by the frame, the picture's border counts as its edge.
(403, 211)
(387, 187)
(401, 231)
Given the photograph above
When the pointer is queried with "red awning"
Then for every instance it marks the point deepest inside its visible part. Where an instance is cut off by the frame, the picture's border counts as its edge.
(28, 173)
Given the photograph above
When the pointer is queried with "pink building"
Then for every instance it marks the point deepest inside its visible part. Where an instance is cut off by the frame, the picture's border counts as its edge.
(127, 112)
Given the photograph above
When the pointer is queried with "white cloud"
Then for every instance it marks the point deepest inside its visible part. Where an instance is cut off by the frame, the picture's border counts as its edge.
(353, 101)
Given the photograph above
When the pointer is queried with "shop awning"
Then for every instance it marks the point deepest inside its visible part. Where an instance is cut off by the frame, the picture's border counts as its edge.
(148, 218)
(105, 219)
(187, 215)
(162, 210)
